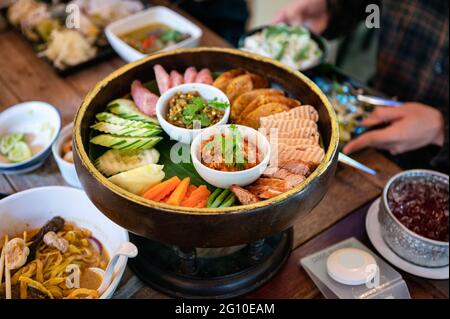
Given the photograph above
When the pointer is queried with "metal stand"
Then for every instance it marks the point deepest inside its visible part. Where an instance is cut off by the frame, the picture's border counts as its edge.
(182, 273)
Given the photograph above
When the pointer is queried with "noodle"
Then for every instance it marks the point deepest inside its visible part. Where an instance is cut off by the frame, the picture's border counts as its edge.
(48, 272)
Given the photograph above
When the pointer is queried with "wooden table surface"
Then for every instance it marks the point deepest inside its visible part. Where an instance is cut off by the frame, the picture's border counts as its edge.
(339, 216)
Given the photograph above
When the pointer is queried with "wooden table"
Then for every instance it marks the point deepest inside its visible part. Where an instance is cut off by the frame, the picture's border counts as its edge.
(340, 215)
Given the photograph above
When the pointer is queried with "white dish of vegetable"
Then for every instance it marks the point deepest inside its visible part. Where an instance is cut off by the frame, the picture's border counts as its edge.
(293, 46)
(27, 132)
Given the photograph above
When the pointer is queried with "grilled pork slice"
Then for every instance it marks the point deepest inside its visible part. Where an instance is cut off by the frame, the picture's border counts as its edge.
(281, 173)
(266, 188)
(287, 125)
(244, 196)
(307, 112)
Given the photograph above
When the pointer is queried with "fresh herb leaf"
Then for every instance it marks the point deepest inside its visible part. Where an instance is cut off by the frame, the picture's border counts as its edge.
(171, 36)
(215, 103)
(273, 31)
(302, 54)
(204, 119)
(282, 51)
(192, 109)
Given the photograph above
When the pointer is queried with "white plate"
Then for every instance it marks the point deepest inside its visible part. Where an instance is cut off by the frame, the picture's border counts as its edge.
(152, 15)
(374, 232)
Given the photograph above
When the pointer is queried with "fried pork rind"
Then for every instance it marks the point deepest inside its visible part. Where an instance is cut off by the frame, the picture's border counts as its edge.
(243, 84)
(307, 154)
(253, 119)
(225, 78)
(247, 98)
(302, 133)
(266, 99)
(300, 112)
(298, 141)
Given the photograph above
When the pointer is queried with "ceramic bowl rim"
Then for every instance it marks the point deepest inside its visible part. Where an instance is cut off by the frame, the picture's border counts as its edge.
(397, 222)
(172, 91)
(264, 161)
(110, 32)
(47, 147)
(113, 286)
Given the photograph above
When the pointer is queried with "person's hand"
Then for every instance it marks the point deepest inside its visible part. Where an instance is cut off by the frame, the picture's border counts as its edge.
(410, 127)
(312, 13)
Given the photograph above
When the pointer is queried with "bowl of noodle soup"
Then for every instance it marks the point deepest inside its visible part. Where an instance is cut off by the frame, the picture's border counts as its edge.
(89, 238)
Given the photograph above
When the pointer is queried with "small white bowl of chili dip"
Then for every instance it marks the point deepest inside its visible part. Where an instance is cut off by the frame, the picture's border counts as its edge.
(414, 217)
(230, 155)
(185, 110)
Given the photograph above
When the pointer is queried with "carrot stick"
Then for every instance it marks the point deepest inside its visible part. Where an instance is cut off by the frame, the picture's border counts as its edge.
(161, 190)
(179, 193)
(190, 190)
(196, 197)
(202, 203)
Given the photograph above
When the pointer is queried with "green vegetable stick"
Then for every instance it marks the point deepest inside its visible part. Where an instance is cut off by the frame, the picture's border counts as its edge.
(229, 201)
(219, 200)
(213, 196)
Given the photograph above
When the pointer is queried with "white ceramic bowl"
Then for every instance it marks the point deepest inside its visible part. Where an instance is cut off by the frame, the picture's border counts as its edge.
(152, 15)
(226, 179)
(67, 169)
(40, 122)
(185, 135)
(33, 208)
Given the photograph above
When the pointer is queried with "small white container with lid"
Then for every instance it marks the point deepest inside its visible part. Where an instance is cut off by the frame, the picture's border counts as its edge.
(349, 270)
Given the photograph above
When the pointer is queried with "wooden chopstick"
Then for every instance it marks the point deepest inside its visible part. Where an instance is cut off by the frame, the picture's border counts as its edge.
(4, 266)
(2, 260)
(7, 279)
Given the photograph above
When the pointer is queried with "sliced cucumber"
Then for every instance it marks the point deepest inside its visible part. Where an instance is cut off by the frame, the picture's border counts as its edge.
(140, 179)
(125, 143)
(114, 119)
(124, 130)
(7, 142)
(114, 161)
(128, 110)
(19, 152)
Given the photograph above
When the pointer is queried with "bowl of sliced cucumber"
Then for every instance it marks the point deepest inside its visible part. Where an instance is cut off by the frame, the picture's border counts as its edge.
(27, 132)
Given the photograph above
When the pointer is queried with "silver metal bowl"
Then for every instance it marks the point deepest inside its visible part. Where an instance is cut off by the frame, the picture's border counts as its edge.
(410, 246)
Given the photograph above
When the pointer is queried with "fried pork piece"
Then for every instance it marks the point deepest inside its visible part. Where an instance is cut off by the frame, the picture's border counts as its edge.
(244, 196)
(298, 167)
(266, 99)
(243, 84)
(281, 173)
(253, 118)
(266, 188)
(288, 125)
(225, 78)
(248, 98)
(307, 112)
(307, 133)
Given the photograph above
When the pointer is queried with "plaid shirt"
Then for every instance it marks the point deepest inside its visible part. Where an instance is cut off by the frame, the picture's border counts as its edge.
(413, 53)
